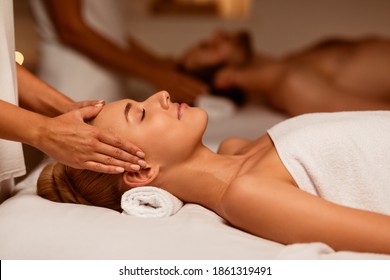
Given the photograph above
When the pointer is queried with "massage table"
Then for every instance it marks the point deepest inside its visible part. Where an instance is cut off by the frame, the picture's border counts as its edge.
(35, 228)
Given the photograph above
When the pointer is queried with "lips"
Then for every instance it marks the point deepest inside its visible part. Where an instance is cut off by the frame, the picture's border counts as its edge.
(180, 110)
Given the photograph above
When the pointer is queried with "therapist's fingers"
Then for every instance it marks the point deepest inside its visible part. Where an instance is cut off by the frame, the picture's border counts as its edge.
(68, 139)
(106, 164)
(87, 103)
(115, 155)
(102, 168)
(120, 149)
(89, 112)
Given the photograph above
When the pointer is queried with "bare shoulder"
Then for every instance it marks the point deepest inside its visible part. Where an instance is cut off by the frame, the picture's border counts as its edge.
(257, 206)
(231, 146)
(254, 194)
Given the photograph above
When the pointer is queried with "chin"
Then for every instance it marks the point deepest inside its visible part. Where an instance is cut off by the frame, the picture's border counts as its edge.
(198, 119)
(203, 116)
(205, 119)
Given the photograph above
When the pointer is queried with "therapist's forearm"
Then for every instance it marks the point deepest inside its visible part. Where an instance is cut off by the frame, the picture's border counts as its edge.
(18, 124)
(35, 95)
(74, 32)
(109, 55)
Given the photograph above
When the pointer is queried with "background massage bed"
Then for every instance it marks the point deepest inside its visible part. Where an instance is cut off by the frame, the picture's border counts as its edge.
(35, 228)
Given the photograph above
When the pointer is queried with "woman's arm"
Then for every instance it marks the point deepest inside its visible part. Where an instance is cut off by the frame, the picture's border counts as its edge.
(279, 211)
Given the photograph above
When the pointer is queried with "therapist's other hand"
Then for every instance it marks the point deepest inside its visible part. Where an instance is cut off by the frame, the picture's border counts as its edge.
(69, 140)
(245, 78)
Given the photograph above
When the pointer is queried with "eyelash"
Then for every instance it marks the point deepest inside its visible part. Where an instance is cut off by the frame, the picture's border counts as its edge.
(143, 114)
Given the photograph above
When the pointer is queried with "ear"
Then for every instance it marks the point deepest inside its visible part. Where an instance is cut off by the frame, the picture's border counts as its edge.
(141, 177)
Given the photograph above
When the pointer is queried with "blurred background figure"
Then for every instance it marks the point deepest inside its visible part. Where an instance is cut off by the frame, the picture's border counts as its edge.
(335, 74)
(85, 52)
(208, 57)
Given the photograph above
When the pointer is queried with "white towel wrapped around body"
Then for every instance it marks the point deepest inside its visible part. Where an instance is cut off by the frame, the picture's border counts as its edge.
(150, 202)
(343, 157)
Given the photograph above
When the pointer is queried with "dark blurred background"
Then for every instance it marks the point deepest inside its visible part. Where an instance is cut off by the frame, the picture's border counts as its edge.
(170, 26)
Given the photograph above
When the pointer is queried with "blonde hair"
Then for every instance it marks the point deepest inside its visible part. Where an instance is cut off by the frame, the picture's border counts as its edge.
(61, 183)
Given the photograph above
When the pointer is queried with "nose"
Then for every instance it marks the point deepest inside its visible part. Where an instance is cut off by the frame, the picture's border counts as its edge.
(164, 99)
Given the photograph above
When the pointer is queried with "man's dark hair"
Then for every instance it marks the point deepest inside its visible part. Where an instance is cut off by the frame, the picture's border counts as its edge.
(207, 73)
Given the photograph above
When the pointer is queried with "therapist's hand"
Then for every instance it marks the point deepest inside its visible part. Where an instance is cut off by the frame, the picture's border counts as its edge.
(69, 140)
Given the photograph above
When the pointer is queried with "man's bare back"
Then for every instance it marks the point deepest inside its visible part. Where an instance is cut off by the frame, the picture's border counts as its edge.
(332, 75)
(360, 67)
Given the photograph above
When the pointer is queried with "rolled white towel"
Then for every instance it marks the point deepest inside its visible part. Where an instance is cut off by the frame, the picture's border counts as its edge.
(150, 202)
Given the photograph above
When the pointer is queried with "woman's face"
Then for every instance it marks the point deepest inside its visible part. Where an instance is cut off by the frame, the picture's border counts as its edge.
(167, 132)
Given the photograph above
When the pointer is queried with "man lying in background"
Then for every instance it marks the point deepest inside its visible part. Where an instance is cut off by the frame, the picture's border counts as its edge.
(208, 57)
(331, 75)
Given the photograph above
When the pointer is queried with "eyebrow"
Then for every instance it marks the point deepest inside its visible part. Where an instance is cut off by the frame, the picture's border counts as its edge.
(126, 111)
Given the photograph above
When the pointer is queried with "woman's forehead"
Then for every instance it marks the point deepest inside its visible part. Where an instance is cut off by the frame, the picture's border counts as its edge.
(112, 109)
(117, 105)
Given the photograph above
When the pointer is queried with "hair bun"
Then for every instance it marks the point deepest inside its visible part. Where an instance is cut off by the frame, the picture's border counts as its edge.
(55, 184)
(61, 183)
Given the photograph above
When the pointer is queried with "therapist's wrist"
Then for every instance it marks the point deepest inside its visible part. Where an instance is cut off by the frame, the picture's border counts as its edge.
(36, 131)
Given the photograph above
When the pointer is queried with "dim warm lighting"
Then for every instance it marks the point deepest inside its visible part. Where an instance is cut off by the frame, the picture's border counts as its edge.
(19, 58)
(233, 8)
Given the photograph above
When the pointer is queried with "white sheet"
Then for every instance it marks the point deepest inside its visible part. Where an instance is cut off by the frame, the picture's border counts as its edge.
(34, 228)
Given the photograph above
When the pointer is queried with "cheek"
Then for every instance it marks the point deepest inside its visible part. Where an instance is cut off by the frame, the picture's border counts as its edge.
(166, 139)
(154, 137)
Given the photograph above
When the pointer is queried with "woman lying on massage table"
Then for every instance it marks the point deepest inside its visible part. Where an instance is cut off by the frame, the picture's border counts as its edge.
(318, 177)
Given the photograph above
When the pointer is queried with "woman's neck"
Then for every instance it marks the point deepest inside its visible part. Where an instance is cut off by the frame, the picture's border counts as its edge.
(203, 178)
